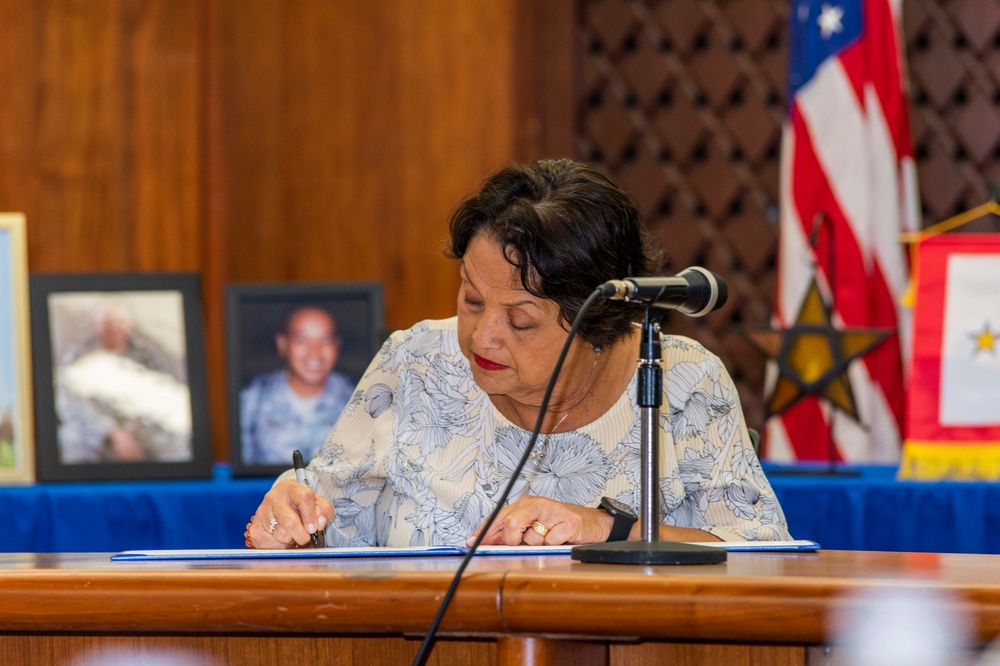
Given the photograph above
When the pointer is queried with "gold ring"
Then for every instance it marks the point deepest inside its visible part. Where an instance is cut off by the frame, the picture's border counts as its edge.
(538, 527)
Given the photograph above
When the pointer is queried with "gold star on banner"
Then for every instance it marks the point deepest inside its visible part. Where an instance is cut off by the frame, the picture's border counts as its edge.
(813, 356)
(985, 340)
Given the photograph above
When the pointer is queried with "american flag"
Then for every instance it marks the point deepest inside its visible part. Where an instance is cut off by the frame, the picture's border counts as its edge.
(848, 188)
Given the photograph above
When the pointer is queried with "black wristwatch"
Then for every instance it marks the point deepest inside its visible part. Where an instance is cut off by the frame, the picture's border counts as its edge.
(623, 515)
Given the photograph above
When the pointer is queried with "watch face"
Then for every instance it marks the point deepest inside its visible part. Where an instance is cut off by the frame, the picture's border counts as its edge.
(615, 506)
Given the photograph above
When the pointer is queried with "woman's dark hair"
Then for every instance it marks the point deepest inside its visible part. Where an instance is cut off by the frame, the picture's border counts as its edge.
(567, 229)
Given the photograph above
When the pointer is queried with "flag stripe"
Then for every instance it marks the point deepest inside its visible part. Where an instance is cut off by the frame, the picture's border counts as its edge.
(882, 62)
(836, 130)
(793, 249)
(815, 201)
(809, 442)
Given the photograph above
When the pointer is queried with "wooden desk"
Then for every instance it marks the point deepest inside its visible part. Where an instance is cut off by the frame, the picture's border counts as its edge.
(764, 608)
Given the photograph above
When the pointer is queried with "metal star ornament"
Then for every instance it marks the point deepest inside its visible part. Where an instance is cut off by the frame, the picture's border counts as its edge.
(813, 356)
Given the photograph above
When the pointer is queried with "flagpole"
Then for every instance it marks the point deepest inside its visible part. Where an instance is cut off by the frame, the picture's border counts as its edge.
(819, 225)
(821, 220)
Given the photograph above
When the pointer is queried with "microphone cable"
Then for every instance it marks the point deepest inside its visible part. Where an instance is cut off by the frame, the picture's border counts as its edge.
(427, 644)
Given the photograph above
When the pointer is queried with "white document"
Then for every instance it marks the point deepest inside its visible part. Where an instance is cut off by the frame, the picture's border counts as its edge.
(422, 551)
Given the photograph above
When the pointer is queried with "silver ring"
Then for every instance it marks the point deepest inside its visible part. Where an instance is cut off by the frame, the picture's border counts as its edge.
(271, 525)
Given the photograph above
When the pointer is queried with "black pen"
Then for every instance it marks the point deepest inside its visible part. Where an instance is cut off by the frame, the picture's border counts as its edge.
(300, 476)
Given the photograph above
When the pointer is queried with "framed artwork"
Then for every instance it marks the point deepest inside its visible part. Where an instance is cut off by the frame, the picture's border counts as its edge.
(295, 353)
(120, 377)
(17, 452)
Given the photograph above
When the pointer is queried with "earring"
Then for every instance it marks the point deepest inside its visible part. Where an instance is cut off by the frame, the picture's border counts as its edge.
(598, 349)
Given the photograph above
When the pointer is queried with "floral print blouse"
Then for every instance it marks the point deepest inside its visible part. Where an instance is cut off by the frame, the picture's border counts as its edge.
(420, 453)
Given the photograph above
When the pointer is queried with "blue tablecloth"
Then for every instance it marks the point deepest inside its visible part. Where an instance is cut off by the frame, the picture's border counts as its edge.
(871, 511)
(874, 511)
(124, 515)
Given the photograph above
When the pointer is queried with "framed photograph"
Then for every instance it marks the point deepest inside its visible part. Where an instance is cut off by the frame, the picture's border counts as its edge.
(17, 445)
(295, 354)
(120, 377)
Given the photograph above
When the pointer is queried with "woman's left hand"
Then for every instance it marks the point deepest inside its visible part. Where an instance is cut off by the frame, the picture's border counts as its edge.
(558, 523)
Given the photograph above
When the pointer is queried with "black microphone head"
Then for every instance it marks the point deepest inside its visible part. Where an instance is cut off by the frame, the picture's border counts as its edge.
(723, 291)
(707, 291)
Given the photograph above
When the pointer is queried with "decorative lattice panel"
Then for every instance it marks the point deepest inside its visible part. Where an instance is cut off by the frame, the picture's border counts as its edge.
(682, 101)
(953, 50)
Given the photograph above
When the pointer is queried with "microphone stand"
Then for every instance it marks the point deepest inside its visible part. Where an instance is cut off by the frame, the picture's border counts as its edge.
(649, 550)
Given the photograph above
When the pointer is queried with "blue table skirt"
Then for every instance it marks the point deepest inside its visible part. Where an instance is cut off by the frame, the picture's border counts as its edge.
(111, 516)
(871, 511)
(874, 511)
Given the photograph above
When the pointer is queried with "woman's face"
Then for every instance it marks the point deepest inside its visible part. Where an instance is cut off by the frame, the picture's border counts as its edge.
(511, 338)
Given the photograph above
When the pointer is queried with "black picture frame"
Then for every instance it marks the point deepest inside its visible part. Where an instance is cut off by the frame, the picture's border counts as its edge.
(255, 314)
(141, 390)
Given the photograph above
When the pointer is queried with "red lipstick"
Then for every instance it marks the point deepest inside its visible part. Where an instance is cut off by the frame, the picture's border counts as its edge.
(487, 364)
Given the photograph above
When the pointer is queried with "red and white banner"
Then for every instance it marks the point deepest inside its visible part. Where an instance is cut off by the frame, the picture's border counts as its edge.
(953, 396)
(848, 188)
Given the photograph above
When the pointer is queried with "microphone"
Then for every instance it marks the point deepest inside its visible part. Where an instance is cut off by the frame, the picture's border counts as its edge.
(695, 291)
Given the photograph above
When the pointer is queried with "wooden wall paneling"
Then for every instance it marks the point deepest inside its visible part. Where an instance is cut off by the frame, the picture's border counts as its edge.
(101, 128)
(271, 141)
(350, 133)
(100, 147)
(246, 52)
(456, 125)
(244, 650)
(545, 78)
(339, 98)
(163, 80)
(709, 653)
(100, 131)
(245, 238)
(80, 215)
(342, 136)
(18, 67)
(215, 209)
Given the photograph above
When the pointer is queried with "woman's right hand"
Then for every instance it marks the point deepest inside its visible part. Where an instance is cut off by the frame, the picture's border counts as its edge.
(298, 513)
